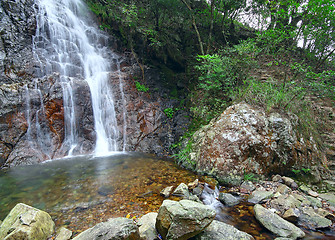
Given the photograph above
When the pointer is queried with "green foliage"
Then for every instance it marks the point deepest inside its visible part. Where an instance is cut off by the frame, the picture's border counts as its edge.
(183, 156)
(249, 177)
(169, 112)
(219, 76)
(141, 87)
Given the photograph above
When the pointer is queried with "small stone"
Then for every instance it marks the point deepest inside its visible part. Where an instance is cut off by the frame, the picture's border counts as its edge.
(198, 190)
(304, 189)
(63, 234)
(193, 184)
(326, 214)
(314, 202)
(291, 215)
(283, 189)
(259, 195)
(166, 191)
(329, 197)
(276, 178)
(290, 182)
(247, 187)
(228, 199)
(182, 191)
(312, 193)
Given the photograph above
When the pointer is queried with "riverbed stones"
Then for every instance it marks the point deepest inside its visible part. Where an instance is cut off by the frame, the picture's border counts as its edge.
(182, 220)
(166, 191)
(219, 231)
(147, 226)
(26, 223)
(259, 195)
(276, 224)
(247, 187)
(329, 197)
(311, 220)
(181, 191)
(115, 228)
(229, 199)
(291, 215)
(290, 182)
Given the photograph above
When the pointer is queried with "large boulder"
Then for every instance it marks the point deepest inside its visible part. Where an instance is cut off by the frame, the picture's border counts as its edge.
(114, 229)
(219, 230)
(276, 224)
(245, 139)
(183, 220)
(26, 223)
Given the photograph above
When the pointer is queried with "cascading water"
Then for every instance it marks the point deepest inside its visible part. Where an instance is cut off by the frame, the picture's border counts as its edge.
(67, 42)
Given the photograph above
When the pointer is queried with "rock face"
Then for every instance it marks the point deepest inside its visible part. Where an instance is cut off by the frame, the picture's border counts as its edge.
(219, 230)
(183, 220)
(26, 223)
(245, 139)
(114, 228)
(276, 224)
(17, 26)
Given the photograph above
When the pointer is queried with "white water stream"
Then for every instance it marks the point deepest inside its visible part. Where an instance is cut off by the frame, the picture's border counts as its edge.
(68, 42)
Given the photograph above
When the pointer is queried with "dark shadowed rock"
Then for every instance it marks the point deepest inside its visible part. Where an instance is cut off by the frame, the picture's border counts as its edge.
(183, 220)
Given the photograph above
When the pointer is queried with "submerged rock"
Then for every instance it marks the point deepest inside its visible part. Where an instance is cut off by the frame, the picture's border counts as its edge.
(115, 228)
(219, 231)
(276, 224)
(26, 223)
(183, 220)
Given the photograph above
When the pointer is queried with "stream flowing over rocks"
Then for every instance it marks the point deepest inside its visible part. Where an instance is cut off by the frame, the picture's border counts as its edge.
(245, 140)
(287, 213)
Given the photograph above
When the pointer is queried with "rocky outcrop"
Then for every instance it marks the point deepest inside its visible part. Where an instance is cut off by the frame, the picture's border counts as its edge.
(182, 220)
(26, 223)
(114, 228)
(246, 140)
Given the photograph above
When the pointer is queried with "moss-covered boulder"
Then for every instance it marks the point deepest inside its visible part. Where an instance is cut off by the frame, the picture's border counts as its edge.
(26, 223)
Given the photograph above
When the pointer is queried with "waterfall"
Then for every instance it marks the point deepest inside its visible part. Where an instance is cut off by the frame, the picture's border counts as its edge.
(68, 42)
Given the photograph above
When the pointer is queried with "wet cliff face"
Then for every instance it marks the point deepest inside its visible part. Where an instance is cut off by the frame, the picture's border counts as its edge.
(23, 95)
